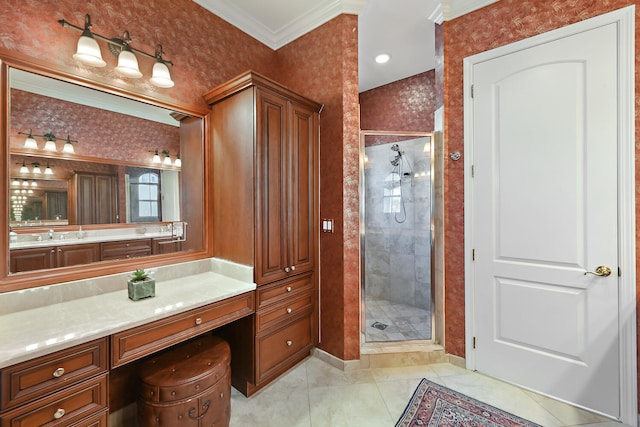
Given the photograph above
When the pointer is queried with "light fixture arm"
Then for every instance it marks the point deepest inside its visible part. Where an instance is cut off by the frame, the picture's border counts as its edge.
(48, 136)
(118, 43)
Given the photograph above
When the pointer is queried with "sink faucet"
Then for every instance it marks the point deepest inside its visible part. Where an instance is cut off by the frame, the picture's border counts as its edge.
(51, 234)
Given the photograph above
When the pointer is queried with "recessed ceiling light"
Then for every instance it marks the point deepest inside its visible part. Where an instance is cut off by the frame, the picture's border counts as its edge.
(383, 58)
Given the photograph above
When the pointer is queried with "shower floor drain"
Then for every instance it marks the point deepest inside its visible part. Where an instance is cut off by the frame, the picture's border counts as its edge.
(379, 325)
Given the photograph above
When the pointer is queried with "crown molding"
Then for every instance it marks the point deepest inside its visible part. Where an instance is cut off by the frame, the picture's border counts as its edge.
(296, 27)
(436, 16)
(452, 9)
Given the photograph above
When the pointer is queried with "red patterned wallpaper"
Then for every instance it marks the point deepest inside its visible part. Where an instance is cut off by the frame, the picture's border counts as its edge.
(495, 25)
(323, 65)
(404, 105)
(205, 49)
(100, 133)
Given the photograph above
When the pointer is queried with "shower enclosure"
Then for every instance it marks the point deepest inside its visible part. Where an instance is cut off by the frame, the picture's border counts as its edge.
(396, 189)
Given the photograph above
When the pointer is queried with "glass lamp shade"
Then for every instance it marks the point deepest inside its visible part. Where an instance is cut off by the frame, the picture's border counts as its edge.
(50, 145)
(161, 76)
(167, 160)
(68, 147)
(128, 65)
(24, 169)
(88, 51)
(48, 170)
(178, 162)
(30, 143)
(36, 169)
(15, 183)
(156, 158)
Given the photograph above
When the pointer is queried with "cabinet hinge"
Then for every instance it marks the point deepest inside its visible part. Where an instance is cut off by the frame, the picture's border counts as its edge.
(473, 171)
(619, 272)
(474, 342)
(473, 254)
(471, 91)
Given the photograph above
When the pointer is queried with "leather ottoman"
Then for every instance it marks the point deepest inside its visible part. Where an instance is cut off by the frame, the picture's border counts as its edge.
(189, 385)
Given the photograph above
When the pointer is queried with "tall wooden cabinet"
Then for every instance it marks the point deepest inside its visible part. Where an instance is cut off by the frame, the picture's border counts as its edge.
(266, 190)
(92, 199)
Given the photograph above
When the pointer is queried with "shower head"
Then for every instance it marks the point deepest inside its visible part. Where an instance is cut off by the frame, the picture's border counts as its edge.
(395, 147)
(396, 161)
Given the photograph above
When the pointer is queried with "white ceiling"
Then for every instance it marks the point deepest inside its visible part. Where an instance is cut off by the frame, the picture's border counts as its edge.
(402, 28)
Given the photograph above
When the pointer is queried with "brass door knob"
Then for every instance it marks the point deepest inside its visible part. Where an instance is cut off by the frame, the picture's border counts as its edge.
(601, 270)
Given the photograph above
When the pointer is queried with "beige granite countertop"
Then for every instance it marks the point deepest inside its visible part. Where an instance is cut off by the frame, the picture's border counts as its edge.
(68, 321)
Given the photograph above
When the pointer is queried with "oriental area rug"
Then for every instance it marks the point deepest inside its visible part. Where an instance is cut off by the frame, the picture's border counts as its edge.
(433, 405)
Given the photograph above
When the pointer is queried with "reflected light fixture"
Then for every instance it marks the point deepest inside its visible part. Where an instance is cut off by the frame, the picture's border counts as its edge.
(15, 183)
(50, 145)
(48, 170)
(68, 147)
(36, 168)
(34, 183)
(25, 183)
(30, 142)
(178, 162)
(88, 53)
(23, 168)
(156, 157)
(167, 157)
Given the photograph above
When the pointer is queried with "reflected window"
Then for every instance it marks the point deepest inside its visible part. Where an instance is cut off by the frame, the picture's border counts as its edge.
(144, 195)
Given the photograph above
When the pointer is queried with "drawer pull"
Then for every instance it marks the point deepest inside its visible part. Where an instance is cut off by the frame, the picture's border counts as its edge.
(289, 310)
(199, 321)
(58, 414)
(58, 373)
(205, 407)
(286, 269)
(293, 267)
(289, 343)
(288, 288)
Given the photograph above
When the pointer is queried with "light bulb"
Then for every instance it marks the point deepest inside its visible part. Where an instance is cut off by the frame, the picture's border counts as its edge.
(50, 145)
(161, 76)
(128, 64)
(88, 51)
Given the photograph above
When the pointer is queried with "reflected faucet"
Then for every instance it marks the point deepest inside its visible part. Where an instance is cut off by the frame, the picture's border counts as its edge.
(51, 234)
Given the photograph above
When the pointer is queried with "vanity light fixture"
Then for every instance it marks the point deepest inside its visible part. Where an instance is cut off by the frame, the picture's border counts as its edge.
(48, 170)
(23, 168)
(30, 142)
(15, 183)
(50, 144)
(167, 158)
(68, 147)
(36, 168)
(34, 183)
(25, 183)
(88, 53)
(178, 162)
(156, 157)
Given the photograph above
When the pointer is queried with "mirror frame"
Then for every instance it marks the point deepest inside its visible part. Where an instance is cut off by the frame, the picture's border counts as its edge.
(36, 278)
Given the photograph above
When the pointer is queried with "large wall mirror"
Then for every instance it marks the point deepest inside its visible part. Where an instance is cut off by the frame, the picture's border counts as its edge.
(97, 180)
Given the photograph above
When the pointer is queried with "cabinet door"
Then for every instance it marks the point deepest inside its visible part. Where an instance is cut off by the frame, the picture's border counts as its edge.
(77, 254)
(85, 199)
(302, 196)
(31, 259)
(271, 188)
(104, 200)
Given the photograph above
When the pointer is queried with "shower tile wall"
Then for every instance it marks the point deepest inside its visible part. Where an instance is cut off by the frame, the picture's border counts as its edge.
(397, 254)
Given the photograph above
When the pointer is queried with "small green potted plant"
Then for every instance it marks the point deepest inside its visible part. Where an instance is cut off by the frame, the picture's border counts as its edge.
(141, 285)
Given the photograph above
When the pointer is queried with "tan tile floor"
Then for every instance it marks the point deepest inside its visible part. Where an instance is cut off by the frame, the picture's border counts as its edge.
(315, 394)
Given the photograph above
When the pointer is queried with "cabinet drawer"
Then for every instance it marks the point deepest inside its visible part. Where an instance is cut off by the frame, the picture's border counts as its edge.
(125, 249)
(98, 420)
(271, 294)
(283, 347)
(63, 408)
(283, 311)
(138, 342)
(33, 379)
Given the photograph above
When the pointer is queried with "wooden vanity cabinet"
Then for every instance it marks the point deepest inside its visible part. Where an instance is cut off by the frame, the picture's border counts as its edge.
(66, 388)
(266, 214)
(125, 249)
(166, 245)
(53, 256)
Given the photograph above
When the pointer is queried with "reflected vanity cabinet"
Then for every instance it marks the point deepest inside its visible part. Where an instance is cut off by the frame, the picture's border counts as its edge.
(265, 189)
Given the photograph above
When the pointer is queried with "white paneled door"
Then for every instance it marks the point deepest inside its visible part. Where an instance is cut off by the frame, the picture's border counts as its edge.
(544, 224)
